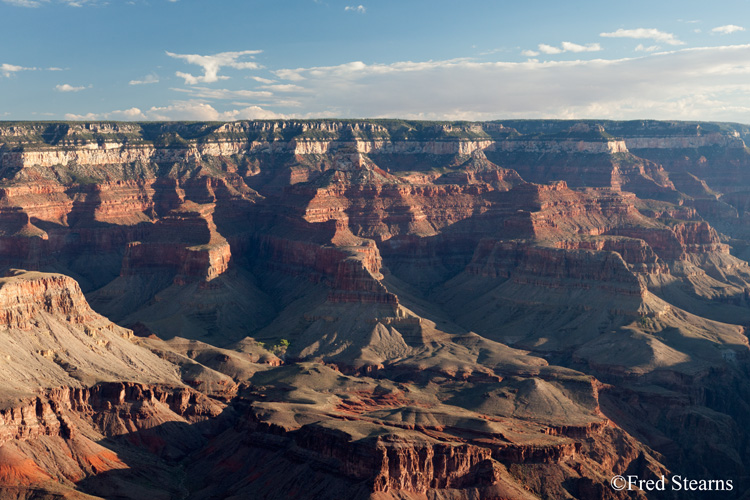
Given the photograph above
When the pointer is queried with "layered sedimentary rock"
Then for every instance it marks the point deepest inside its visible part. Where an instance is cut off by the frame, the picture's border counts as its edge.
(675, 242)
(51, 443)
(475, 310)
(52, 337)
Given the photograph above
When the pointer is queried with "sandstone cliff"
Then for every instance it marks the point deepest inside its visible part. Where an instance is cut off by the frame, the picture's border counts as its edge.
(382, 307)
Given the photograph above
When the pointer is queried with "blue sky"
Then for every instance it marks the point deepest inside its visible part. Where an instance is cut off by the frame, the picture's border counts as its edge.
(473, 59)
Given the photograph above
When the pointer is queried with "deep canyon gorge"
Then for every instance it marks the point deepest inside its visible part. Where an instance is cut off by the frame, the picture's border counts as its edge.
(380, 309)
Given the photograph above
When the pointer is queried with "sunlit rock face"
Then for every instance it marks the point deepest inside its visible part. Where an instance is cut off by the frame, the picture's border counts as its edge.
(372, 308)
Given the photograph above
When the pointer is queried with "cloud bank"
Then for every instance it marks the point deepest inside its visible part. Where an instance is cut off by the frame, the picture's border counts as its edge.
(727, 29)
(69, 88)
(39, 3)
(706, 83)
(212, 64)
(699, 83)
(8, 70)
(644, 33)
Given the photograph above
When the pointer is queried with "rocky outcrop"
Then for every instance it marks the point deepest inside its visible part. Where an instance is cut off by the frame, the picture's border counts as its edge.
(675, 242)
(732, 140)
(23, 296)
(355, 282)
(353, 271)
(186, 241)
(418, 469)
(384, 211)
(549, 211)
(393, 463)
(52, 337)
(562, 145)
(636, 252)
(374, 246)
(49, 443)
(555, 267)
(100, 144)
(56, 411)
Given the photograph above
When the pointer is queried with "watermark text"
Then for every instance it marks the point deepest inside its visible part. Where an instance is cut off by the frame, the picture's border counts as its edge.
(673, 483)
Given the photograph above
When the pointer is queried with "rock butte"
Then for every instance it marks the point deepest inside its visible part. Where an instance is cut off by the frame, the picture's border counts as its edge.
(372, 308)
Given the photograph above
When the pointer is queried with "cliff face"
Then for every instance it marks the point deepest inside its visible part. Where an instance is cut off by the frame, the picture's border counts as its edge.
(562, 266)
(52, 337)
(50, 443)
(637, 253)
(372, 442)
(412, 307)
(109, 144)
(676, 242)
(24, 296)
(56, 411)
(185, 240)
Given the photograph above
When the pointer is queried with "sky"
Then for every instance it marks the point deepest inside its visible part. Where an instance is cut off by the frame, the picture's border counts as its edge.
(413, 59)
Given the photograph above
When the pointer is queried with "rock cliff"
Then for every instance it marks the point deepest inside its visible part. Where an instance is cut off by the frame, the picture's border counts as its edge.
(371, 308)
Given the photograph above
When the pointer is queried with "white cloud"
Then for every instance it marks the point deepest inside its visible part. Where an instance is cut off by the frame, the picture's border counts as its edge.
(727, 29)
(39, 3)
(491, 51)
(285, 87)
(642, 48)
(287, 103)
(181, 110)
(127, 114)
(361, 9)
(213, 63)
(23, 3)
(131, 113)
(86, 117)
(195, 80)
(147, 80)
(69, 88)
(262, 80)
(184, 110)
(257, 113)
(698, 83)
(645, 33)
(357, 69)
(225, 94)
(574, 47)
(707, 83)
(564, 47)
(289, 74)
(549, 49)
(10, 69)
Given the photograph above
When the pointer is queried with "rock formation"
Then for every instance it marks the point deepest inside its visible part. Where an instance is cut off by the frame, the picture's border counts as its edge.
(372, 308)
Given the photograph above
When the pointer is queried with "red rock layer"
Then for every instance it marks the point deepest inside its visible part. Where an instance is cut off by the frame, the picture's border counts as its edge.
(56, 411)
(186, 241)
(383, 211)
(555, 268)
(675, 242)
(353, 271)
(22, 299)
(549, 210)
(637, 253)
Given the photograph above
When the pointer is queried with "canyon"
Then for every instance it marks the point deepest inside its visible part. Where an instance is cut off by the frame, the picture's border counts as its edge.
(381, 309)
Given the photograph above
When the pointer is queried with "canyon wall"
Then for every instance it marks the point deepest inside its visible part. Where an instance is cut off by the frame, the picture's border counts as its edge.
(378, 307)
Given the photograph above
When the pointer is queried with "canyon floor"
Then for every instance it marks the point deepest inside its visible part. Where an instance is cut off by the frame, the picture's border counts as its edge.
(373, 309)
